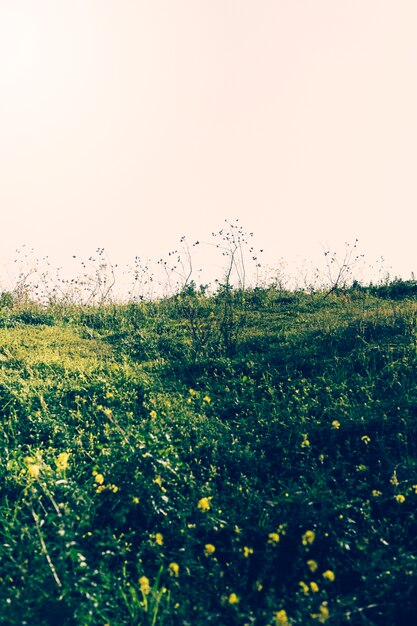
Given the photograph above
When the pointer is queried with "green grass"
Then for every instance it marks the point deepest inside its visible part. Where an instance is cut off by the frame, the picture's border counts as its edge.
(240, 458)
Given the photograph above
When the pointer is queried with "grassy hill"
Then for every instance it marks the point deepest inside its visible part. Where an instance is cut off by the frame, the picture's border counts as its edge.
(248, 457)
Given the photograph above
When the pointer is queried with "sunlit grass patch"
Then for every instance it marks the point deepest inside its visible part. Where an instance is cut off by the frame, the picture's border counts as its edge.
(50, 346)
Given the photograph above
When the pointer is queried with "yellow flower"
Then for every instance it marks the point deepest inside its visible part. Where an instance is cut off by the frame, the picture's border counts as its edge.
(152, 414)
(273, 539)
(233, 598)
(33, 470)
(174, 569)
(258, 585)
(314, 587)
(361, 468)
(99, 479)
(61, 461)
(159, 539)
(376, 493)
(329, 575)
(135, 500)
(394, 479)
(207, 399)
(324, 614)
(204, 504)
(209, 549)
(304, 588)
(313, 565)
(415, 488)
(308, 537)
(366, 439)
(305, 443)
(281, 618)
(247, 551)
(144, 585)
(400, 498)
(335, 424)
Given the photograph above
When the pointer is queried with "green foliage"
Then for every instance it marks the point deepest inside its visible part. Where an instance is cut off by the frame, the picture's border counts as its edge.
(242, 457)
(395, 290)
(6, 299)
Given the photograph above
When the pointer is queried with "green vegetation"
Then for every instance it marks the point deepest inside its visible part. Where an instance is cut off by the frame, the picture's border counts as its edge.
(244, 457)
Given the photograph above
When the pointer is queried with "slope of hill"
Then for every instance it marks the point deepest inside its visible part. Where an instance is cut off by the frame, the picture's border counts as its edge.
(240, 458)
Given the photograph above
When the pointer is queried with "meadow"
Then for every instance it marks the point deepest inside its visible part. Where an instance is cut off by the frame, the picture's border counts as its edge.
(239, 457)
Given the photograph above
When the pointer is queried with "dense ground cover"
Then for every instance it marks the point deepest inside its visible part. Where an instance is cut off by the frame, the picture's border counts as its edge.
(248, 457)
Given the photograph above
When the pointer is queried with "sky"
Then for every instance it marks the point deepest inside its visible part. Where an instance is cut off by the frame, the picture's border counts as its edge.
(127, 124)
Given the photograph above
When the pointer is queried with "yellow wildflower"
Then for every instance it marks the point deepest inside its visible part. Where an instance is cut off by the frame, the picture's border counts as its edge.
(324, 614)
(329, 575)
(174, 569)
(394, 479)
(304, 588)
(305, 443)
(400, 498)
(313, 565)
(281, 618)
(204, 504)
(61, 461)
(376, 493)
(314, 587)
(159, 539)
(258, 585)
(207, 399)
(209, 549)
(152, 414)
(135, 500)
(366, 439)
(308, 537)
(144, 585)
(247, 551)
(233, 599)
(99, 478)
(33, 470)
(335, 424)
(273, 539)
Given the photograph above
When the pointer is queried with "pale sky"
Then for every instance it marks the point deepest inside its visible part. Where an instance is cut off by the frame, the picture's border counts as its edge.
(126, 124)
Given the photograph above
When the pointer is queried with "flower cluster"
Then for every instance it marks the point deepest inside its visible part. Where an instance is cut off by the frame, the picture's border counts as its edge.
(204, 504)
(61, 461)
(308, 537)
